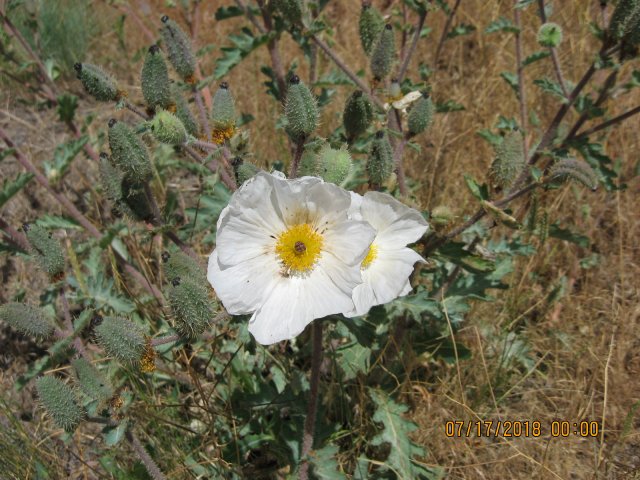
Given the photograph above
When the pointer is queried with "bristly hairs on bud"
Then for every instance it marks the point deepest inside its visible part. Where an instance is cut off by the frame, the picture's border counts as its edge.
(223, 114)
(156, 88)
(27, 319)
(421, 115)
(244, 170)
(383, 53)
(167, 128)
(121, 339)
(46, 250)
(183, 112)
(625, 18)
(509, 161)
(97, 82)
(59, 401)
(357, 115)
(380, 164)
(370, 26)
(291, 10)
(179, 51)
(192, 308)
(334, 165)
(91, 381)
(574, 169)
(128, 153)
(178, 264)
(550, 35)
(300, 108)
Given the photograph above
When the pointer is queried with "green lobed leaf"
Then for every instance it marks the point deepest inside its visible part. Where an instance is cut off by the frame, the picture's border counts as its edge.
(325, 466)
(11, 187)
(502, 24)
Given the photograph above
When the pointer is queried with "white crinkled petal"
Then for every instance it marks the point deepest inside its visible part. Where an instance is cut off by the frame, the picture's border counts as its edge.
(354, 209)
(350, 241)
(363, 300)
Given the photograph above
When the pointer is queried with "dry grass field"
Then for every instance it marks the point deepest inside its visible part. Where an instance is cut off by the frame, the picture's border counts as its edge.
(582, 352)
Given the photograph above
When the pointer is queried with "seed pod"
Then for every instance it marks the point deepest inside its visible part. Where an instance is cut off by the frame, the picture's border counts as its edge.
(156, 88)
(357, 115)
(550, 35)
(421, 115)
(121, 339)
(92, 382)
(46, 249)
(183, 112)
(223, 114)
(370, 26)
(300, 109)
(574, 169)
(128, 153)
(509, 161)
(291, 10)
(179, 264)
(334, 165)
(59, 401)
(97, 82)
(167, 128)
(179, 51)
(625, 16)
(383, 53)
(380, 164)
(27, 319)
(191, 306)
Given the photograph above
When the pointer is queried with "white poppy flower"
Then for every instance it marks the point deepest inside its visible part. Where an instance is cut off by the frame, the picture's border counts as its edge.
(287, 251)
(403, 103)
(389, 262)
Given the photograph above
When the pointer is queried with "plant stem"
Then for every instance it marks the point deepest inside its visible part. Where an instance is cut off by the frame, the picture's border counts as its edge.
(204, 118)
(522, 98)
(412, 47)
(68, 324)
(554, 54)
(272, 47)
(293, 172)
(445, 32)
(608, 123)
(397, 158)
(130, 106)
(17, 237)
(312, 407)
(145, 458)
(162, 340)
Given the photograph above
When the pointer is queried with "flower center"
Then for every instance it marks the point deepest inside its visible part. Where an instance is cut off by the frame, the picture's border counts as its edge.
(372, 254)
(299, 248)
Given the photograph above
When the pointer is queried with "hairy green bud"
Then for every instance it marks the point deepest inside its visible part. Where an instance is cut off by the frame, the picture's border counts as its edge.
(550, 35)
(291, 10)
(625, 18)
(574, 169)
(156, 88)
(183, 112)
(59, 401)
(421, 115)
(380, 164)
(357, 115)
(97, 82)
(167, 128)
(46, 249)
(135, 202)
(110, 178)
(179, 264)
(309, 162)
(442, 215)
(178, 46)
(27, 319)
(121, 339)
(383, 53)
(244, 170)
(192, 308)
(128, 153)
(334, 165)
(370, 26)
(300, 108)
(509, 161)
(223, 112)
(92, 382)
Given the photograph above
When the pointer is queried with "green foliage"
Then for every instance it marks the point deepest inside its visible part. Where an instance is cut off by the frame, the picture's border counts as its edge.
(192, 309)
(128, 153)
(325, 466)
(502, 24)
(625, 19)
(63, 156)
(178, 47)
(27, 319)
(383, 54)
(300, 108)
(380, 163)
(244, 44)
(92, 382)
(59, 401)
(357, 115)
(11, 187)
(121, 339)
(550, 35)
(99, 84)
(156, 88)
(370, 26)
(47, 250)
(291, 10)
(167, 128)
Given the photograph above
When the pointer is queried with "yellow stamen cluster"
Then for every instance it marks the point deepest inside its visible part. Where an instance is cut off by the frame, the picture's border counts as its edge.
(299, 248)
(371, 256)
(219, 135)
(148, 360)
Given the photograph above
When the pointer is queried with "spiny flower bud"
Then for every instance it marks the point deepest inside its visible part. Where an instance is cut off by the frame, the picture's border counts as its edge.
(244, 170)
(550, 35)
(135, 202)
(357, 115)
(442, 215)
(46, 249)
(156, 88)
(625, 16)
(574, 169)
(223, 114)
(97, 82)
(110, 178)
(334, 165)
(300, 108)
(180, 265)
(59, 401)
(291, 10)
(178, 46)
(128, 153)
(167, 128)
(27, 319)
(309, 162)
(383, 53)
(92, 381)
(421, 115)
(370, 26)
(191, 306)
(183, 112)
(380, 163)
(121, 339)
(509, 161)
